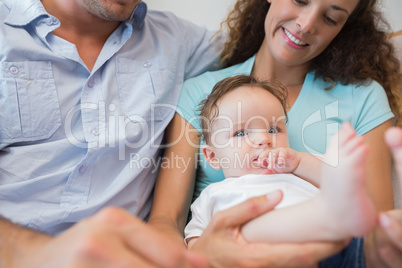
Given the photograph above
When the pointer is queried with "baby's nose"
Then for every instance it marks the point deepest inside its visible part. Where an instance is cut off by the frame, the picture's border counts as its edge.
(263, 139)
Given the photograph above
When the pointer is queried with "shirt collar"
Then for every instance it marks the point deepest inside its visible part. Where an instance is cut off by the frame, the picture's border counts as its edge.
(138, 16)
(24, 12)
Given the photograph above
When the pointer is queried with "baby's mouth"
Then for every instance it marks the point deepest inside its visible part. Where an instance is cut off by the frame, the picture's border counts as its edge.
(257, 162)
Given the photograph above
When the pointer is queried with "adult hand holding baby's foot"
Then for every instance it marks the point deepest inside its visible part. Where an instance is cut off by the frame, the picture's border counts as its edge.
(383, 246)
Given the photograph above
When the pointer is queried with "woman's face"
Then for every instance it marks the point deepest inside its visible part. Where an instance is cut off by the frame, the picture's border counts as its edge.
(299, 30)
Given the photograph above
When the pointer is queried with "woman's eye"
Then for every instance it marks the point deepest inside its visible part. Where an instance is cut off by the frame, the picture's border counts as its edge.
(300, 2)
(273, 130)
(331, 21)
(240, 133)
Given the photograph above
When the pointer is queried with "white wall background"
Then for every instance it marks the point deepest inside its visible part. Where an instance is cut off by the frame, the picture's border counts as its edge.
(393, 13)
(210, 13)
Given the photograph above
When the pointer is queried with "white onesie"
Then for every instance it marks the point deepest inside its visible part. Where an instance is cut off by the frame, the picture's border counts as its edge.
(232, 191)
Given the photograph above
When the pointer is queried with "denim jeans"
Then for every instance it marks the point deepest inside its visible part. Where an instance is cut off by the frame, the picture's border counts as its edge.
(350, 257)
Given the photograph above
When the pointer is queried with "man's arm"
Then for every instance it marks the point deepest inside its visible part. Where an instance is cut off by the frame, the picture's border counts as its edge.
(111, 238)
(175, 182)
(17, 242)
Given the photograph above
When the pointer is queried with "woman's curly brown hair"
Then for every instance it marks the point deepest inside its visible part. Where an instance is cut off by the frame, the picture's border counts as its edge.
(360, 52)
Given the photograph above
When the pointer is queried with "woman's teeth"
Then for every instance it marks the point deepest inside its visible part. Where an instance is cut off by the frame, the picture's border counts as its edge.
(294, 39)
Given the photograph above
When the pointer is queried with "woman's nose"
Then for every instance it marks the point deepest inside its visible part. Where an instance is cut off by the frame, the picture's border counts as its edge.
(307, 21)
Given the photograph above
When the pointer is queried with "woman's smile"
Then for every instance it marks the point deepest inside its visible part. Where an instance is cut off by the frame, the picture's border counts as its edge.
(292, 40)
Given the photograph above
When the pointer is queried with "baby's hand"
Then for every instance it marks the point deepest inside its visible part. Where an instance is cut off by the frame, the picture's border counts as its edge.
(280, 160)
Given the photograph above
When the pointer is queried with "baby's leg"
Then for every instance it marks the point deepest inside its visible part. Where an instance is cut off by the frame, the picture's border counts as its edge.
(343, 187)
(393, 138)
(341, 210)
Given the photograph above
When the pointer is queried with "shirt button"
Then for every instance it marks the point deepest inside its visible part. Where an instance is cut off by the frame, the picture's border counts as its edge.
(96, 132)
(147, 64)
(14, 70)
(83, 169)
(91, 83)
(49, 21)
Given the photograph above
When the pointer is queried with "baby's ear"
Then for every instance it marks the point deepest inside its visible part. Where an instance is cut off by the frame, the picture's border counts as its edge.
(211, 157)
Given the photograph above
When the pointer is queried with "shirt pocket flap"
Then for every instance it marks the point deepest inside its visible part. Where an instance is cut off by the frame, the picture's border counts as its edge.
(145, 88)
(29, 103)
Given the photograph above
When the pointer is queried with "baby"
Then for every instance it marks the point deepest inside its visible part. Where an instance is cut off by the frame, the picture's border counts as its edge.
(244, 126)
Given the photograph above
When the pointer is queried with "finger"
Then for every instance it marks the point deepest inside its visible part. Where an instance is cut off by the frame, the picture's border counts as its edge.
(281, 159)
(396, 214)
(343, 137)
(104, 248)
(352, 143)
(273, 160)
(393, 137)
(391, 256)
(392, 228)
(360, 148)
(270, 160)
(246, 211)
(159, 250)
(346, 133)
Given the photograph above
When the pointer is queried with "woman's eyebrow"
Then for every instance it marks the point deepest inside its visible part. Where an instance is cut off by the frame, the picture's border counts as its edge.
(335, 7)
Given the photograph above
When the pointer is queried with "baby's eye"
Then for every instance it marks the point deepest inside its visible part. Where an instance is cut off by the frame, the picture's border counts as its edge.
(273, 130)
(241, 133)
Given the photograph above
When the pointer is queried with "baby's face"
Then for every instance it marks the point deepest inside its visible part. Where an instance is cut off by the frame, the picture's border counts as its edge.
(250, 121)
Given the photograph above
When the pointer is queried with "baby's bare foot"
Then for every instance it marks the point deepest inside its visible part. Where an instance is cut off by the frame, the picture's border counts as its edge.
(343, 183)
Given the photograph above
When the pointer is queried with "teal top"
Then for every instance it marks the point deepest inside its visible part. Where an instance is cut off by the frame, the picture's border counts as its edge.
(315, 116)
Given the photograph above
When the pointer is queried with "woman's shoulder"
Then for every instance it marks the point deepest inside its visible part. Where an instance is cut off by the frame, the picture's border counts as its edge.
(364, 91)
(364, 104)
(364, 87)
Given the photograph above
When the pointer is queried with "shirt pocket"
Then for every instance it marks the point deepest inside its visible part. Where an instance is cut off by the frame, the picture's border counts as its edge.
(29, 105)
(145, 88)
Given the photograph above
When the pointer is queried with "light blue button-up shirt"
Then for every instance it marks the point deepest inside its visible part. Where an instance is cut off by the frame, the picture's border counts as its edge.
(73, 141)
